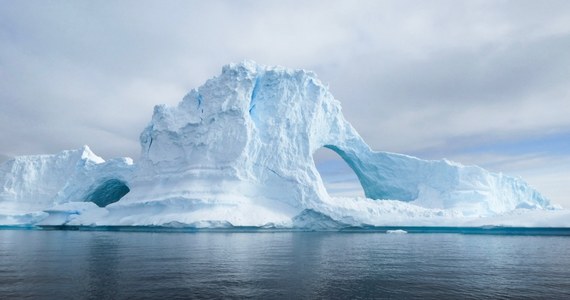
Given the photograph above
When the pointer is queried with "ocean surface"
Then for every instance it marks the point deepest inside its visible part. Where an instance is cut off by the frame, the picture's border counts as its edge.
(63, 264)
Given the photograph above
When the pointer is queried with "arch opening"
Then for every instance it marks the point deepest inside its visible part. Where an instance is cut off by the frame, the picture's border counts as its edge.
(107, 192)
(338, 177)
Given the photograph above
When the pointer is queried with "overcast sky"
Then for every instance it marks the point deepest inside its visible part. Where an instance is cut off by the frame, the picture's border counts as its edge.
(480, 82)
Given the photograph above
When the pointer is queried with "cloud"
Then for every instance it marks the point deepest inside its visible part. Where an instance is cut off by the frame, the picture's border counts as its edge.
(502, 88)
(4, 158)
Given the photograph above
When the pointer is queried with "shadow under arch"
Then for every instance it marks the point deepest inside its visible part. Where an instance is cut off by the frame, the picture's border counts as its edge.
(338, 175)
(107, 191)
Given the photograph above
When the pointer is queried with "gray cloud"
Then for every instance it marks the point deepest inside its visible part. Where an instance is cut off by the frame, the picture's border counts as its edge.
(431, 78)
(4, 158)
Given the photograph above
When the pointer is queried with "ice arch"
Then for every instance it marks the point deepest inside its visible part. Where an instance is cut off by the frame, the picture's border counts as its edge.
(337, 176)
(107, 192)
(383, 175)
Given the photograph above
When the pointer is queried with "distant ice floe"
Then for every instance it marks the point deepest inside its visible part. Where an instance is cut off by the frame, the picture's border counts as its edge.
(396, 231)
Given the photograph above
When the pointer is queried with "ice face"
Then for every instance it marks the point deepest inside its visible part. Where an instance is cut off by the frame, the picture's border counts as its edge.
(107, 192)
(238, 150)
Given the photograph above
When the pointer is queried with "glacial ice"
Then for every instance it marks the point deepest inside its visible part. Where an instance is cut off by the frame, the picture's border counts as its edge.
(237, 151)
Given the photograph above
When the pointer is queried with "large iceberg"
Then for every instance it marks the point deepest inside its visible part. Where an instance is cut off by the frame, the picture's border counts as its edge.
(238, 151)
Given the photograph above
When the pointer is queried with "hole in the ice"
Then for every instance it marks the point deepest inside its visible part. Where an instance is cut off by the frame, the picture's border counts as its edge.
(339, 179)
(107, 192)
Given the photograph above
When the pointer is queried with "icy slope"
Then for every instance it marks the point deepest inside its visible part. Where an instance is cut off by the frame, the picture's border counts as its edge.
(238, 150)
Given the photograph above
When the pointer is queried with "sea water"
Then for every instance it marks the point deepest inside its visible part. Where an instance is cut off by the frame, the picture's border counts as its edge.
(57, 264)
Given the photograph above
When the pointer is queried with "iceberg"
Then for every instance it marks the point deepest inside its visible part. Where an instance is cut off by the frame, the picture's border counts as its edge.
(238, 151)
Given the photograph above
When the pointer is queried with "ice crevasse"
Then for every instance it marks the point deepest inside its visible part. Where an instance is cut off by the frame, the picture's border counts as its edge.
(238, 151)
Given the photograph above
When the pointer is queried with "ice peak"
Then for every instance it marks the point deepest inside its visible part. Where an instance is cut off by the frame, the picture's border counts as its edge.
(88, 155)
(251, 69)
(247, 66)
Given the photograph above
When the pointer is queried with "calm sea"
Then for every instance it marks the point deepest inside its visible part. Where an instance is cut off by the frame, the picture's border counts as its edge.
(53, 264)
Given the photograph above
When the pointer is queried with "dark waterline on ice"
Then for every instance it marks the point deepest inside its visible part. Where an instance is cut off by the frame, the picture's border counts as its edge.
(75, 264)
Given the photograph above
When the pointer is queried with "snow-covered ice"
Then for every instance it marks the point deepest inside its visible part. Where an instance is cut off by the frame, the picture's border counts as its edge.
(237, 151)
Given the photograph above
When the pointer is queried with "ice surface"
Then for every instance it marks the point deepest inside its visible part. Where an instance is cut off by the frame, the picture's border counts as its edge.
(310, 219)
(237, 151)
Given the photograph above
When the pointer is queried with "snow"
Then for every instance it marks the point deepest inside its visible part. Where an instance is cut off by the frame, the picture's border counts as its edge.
(237, 151)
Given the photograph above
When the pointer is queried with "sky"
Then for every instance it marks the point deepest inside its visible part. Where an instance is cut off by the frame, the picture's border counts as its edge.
(478, 82)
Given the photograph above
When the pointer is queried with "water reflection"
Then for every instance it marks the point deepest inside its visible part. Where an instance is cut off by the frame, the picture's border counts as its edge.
(287, 265)
(103, 263)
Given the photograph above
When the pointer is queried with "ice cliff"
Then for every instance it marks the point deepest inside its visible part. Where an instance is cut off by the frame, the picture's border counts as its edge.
(237, 151)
